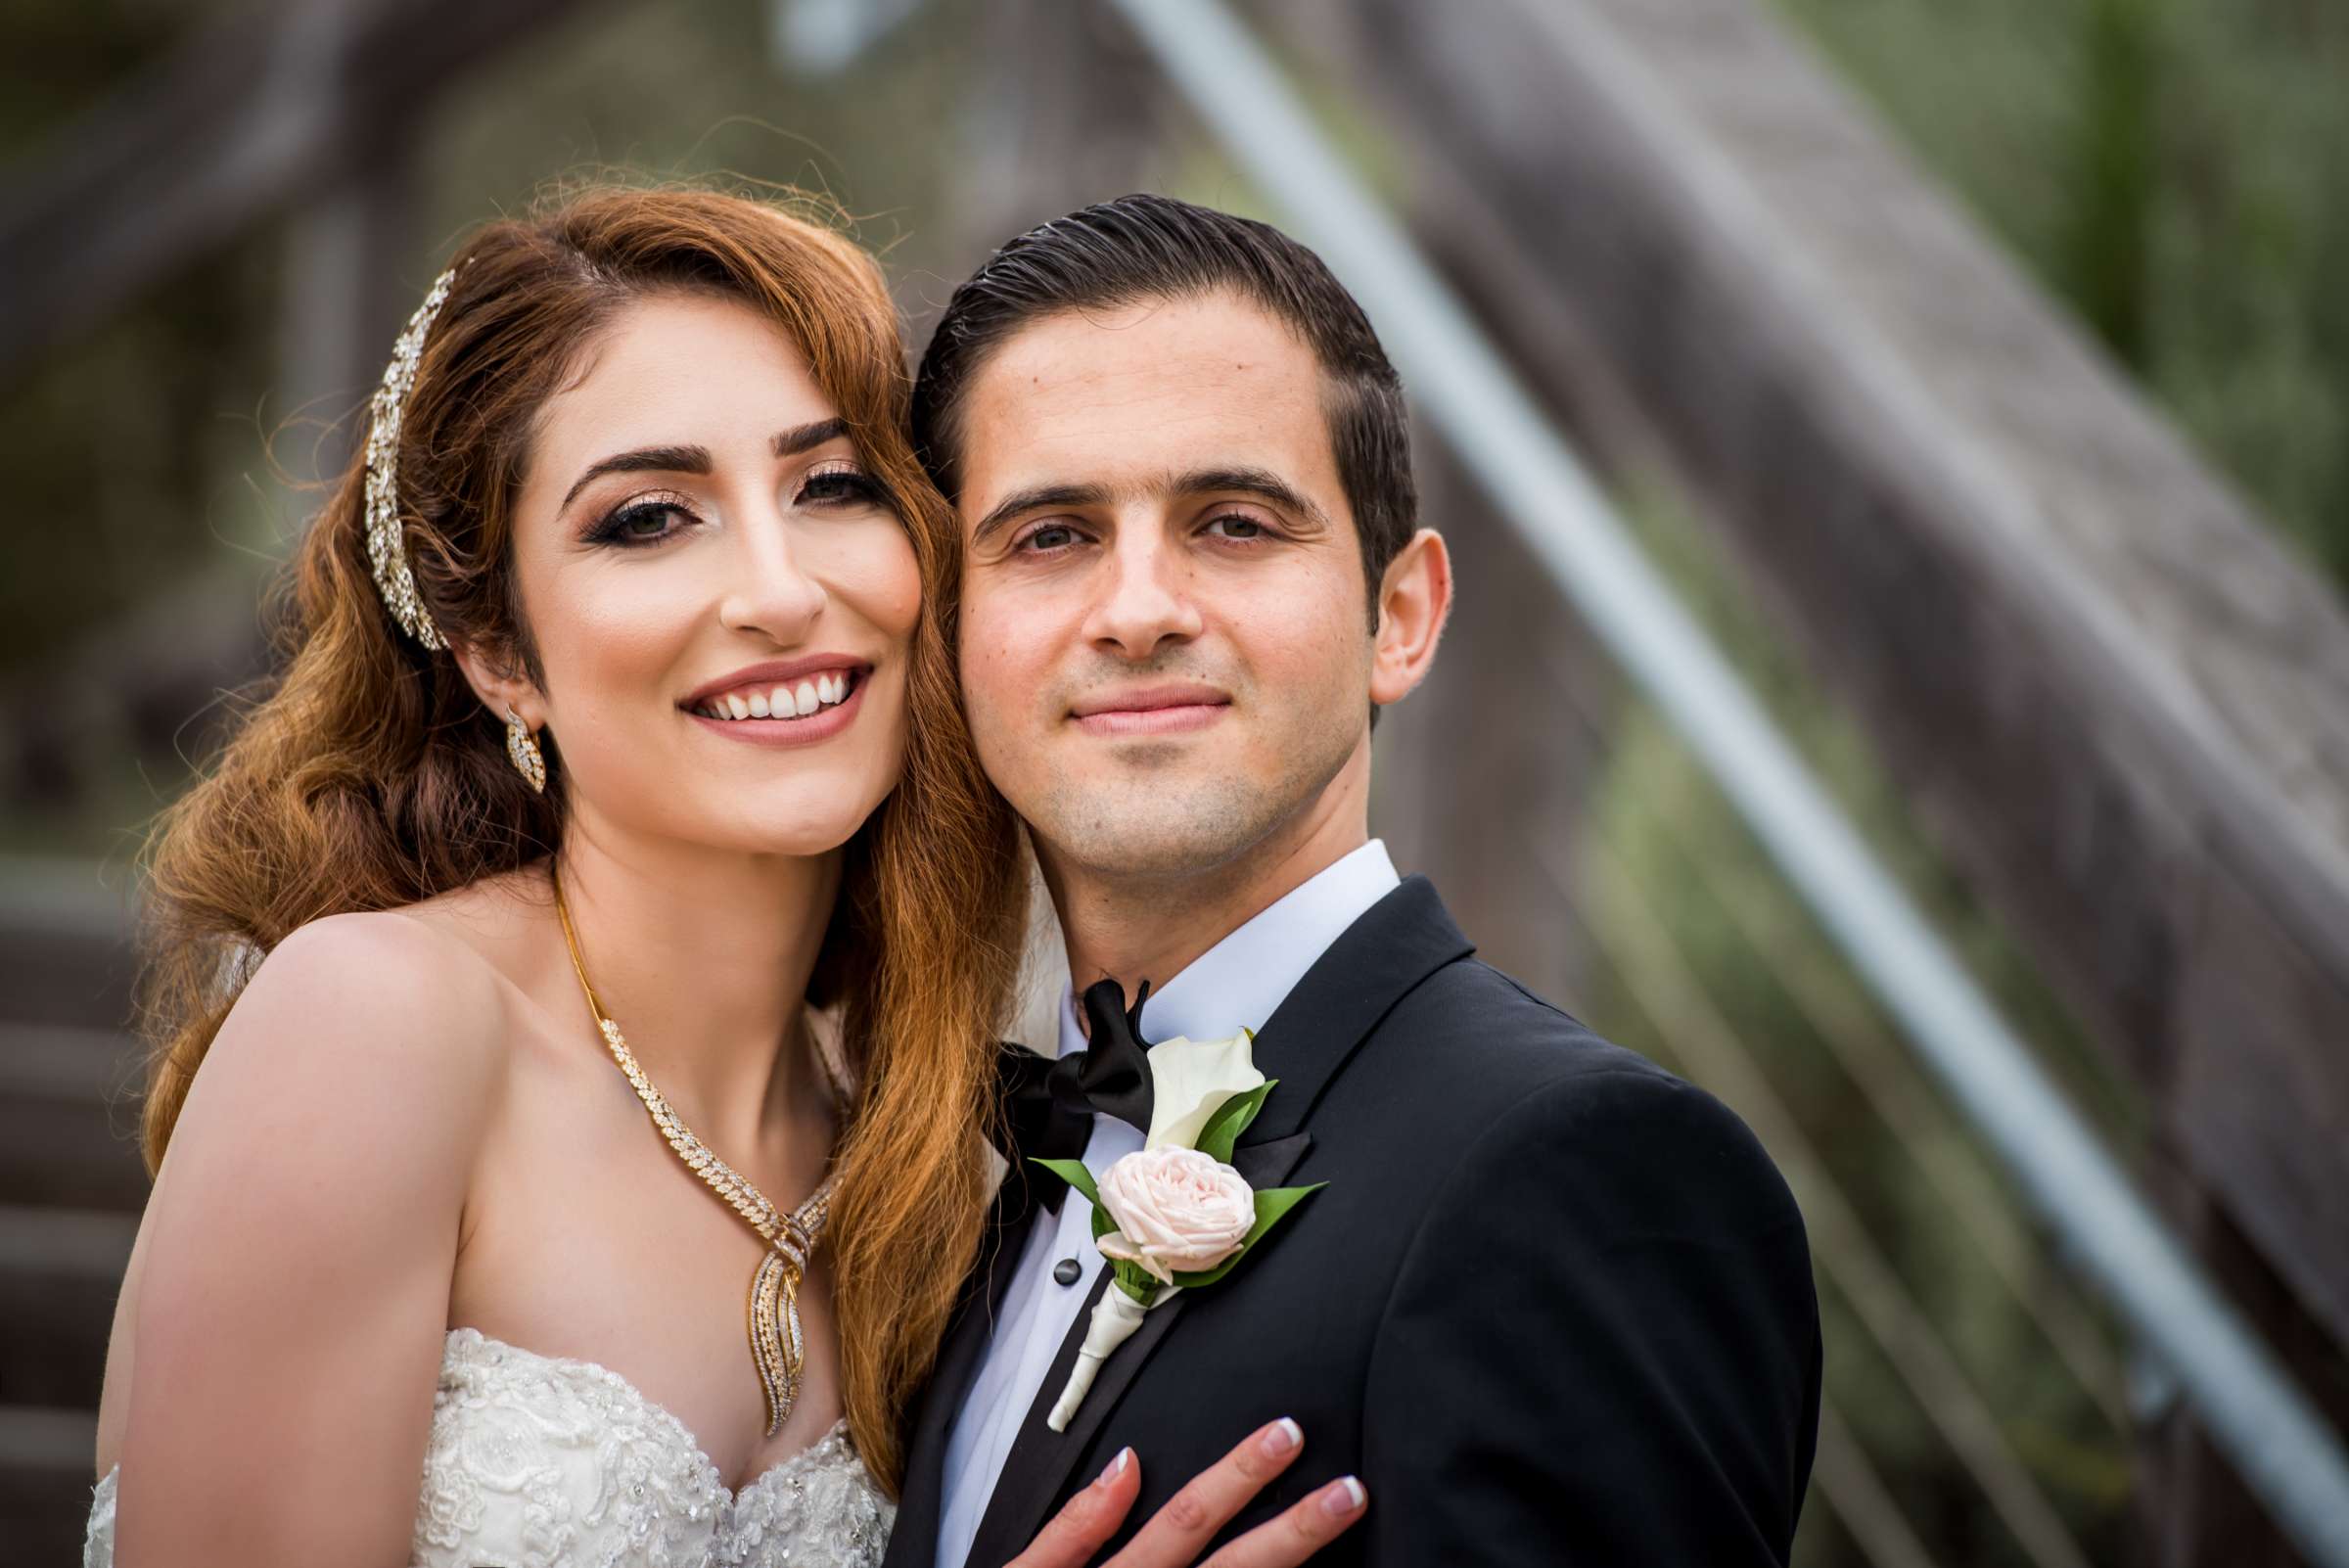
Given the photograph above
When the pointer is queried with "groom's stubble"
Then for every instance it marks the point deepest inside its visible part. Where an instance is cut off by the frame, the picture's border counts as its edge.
(1152, 819)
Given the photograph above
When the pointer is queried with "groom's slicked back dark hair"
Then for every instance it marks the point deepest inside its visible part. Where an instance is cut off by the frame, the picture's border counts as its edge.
(1140, 248)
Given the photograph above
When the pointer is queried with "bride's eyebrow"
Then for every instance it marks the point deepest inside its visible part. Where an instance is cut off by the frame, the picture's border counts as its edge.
(696, 460)
(806, 438)
(644, 460)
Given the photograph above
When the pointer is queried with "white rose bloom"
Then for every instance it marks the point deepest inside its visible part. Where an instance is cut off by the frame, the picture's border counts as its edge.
(1176, 1211)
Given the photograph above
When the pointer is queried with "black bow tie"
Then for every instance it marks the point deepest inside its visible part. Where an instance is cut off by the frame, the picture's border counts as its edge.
(1051, 1105)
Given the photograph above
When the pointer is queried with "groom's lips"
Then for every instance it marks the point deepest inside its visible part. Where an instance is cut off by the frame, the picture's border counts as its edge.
(1150, 710)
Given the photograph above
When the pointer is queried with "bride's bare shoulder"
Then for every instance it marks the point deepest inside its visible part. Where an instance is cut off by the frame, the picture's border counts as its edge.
(389, 971)
(306, 1220)
(390, 1016)
(438, 969)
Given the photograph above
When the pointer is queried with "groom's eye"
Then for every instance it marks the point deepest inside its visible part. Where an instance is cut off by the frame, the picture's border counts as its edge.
(1236, 527)
(1050, 536)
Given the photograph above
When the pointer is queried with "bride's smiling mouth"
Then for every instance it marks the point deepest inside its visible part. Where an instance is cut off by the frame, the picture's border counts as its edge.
(793, 702)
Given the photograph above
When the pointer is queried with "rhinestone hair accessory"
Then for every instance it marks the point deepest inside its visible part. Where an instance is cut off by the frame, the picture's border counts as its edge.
(386, 553)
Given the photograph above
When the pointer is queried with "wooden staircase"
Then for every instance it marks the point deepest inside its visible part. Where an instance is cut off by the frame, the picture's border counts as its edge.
(71, 1185)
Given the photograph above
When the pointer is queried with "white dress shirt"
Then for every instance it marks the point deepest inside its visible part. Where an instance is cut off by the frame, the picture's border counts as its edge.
(1236, 984)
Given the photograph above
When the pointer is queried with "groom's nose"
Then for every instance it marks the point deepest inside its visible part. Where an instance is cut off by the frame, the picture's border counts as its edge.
(1142, 593)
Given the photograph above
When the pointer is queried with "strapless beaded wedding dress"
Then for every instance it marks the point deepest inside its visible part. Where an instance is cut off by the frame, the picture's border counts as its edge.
(536, 1461)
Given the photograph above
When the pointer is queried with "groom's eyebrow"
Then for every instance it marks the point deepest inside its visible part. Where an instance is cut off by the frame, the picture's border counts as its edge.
(1261, 483)
(1038, 498)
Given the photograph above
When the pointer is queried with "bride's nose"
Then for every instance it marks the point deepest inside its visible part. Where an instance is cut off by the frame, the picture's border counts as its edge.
(767, 590)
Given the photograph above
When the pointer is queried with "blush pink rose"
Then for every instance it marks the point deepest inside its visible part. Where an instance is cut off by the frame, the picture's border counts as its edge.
(1178, 1211)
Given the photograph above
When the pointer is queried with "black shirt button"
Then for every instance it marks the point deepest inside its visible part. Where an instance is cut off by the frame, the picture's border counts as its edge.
(1066, 1271)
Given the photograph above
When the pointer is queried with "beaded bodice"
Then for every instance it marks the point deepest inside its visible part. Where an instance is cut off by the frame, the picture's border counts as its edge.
(535, 1461)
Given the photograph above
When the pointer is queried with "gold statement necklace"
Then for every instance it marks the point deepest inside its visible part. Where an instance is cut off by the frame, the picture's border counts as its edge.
(778, 1349)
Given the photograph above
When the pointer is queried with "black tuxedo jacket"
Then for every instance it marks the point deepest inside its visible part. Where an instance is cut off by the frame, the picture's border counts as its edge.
(1555, 1304)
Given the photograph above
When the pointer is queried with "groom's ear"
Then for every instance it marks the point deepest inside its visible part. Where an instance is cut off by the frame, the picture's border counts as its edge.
(1415, 597)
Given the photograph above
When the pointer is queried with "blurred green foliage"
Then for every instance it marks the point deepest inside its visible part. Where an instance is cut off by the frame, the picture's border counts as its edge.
(119, 451)
(2176, 171)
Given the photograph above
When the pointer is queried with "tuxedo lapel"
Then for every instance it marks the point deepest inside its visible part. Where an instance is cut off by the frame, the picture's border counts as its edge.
(1038, 1467)
(1396, 943)
(922, 1498)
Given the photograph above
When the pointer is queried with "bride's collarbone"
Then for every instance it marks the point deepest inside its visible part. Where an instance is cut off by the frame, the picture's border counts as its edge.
(568, 1192)
(587, 1240)
(567, 1102)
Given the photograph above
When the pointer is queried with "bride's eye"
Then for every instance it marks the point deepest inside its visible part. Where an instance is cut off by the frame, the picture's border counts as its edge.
(841, 488)
(647, 520)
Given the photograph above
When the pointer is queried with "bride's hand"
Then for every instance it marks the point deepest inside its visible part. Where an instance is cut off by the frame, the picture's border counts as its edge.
(1192, 1516)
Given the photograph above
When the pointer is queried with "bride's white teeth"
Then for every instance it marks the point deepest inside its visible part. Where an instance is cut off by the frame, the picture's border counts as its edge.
(782, 702)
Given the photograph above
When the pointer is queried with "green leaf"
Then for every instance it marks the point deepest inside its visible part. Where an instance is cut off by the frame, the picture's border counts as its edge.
(1073, 1173)
(1272, 1205)
(1103, 1224)
(1232, 1119)
(1135, 1280)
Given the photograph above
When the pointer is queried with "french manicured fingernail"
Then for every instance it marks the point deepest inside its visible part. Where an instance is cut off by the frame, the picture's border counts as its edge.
(1116, 1468)
(1285, 1436)
(1343, 1499)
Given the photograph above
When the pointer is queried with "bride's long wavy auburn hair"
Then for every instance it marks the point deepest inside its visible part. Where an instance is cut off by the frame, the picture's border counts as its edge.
(369, 776)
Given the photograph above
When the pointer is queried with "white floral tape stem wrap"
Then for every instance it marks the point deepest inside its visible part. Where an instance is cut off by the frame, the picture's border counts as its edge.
(386, 553)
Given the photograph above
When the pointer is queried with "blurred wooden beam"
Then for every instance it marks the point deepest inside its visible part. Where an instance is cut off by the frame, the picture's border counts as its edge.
(2120, 705)
(1065, 110)
(2119, 701)
(264, 109)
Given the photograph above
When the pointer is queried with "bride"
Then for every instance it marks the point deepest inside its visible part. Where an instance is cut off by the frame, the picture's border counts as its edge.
(592, 946)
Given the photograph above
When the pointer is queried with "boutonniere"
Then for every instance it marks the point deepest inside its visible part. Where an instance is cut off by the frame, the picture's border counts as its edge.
(1176, 1216)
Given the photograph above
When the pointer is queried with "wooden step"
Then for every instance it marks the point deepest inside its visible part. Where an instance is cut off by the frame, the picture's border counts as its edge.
(67, 955)
(70, 1118)
(45, 1480)
(60, 1272)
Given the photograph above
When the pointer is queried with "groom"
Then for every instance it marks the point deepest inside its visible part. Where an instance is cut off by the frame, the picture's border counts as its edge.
(1552, 1305)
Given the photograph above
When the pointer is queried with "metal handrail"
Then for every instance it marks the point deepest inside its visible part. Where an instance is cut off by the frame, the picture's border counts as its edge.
(2282, 1449)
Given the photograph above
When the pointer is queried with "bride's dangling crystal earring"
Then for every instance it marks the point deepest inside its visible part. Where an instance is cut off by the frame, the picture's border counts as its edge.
(521, 750)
